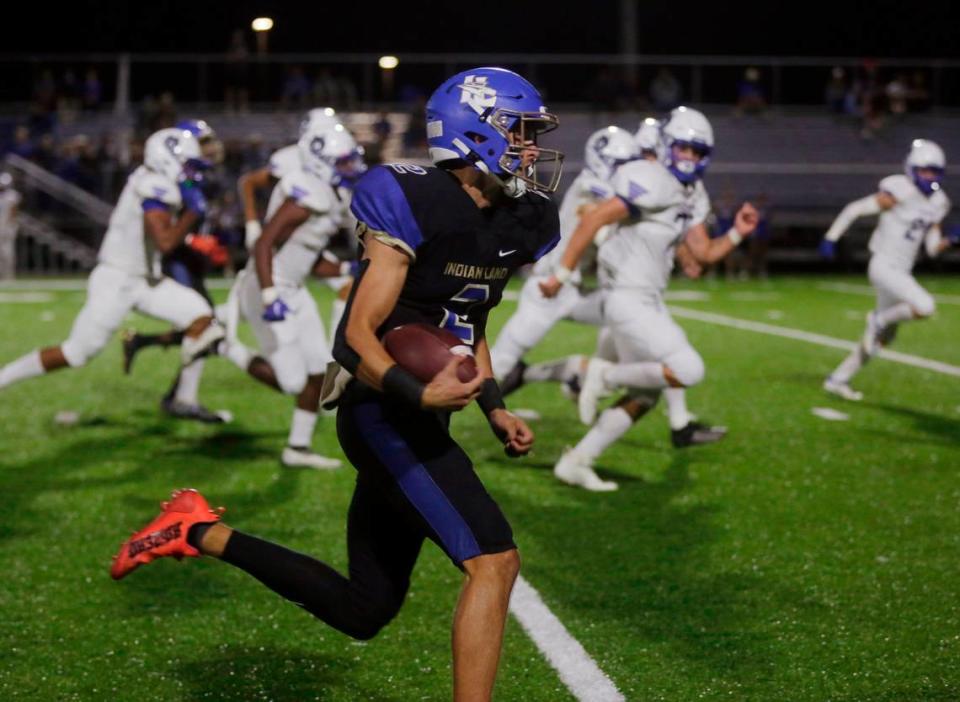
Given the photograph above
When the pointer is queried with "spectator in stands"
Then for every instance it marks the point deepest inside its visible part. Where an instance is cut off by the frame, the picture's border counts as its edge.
(43, 105)
(92, 92)
(236, 91)
(9, 202)
(751, 99)
(68, 97)
(22, 145)
(835, 93)
(665, 90)
(296, 89)
(873, 100)
(897, 92)
(415, 138)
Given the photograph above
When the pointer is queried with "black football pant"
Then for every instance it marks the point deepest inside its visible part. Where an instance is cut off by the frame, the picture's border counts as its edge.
(413, 483)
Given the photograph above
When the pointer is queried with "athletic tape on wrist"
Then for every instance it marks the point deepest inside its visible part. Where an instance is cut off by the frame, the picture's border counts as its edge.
(490, 397)
(735, 236)
(401, 383)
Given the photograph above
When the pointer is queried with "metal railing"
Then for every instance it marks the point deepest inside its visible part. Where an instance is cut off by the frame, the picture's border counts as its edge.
(41, 179)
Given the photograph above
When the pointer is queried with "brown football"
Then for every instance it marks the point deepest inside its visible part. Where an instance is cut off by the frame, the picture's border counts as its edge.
(425, 350)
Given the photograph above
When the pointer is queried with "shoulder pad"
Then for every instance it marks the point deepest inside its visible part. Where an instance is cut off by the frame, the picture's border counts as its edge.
(307, 191)
(943, 203)
(643, 184)
(380, 205)
(283, 161)
(596, 187)
(153, 186)
(899, 186)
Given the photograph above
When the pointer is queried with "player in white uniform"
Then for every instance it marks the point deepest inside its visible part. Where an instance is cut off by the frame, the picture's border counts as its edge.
(287, 160)
(911, 207)
(158, 206)
(306, 208)
(605, 151)
(656, 207)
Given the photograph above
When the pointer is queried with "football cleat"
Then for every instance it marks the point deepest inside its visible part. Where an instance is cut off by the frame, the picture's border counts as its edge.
(297, 457)
(199, 413)
(592, 389)
(166, 535)
(574, 469)
(696, 433)
(513, 380)
(871, 335)
(843, 390)
(131, 344)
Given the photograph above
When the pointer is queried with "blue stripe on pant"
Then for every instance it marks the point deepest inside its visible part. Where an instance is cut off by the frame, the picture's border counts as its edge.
(416, 482)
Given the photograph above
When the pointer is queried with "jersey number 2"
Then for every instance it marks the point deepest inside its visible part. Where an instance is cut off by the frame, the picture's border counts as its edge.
(453, 319)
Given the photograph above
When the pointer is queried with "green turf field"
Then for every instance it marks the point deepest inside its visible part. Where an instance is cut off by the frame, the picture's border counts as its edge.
(799, 559)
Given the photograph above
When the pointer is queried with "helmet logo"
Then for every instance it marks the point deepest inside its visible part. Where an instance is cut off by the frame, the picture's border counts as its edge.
(316, 146)
(172, 144)
(475, 92)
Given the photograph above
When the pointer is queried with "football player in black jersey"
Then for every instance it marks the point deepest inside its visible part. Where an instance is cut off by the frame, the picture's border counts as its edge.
(439, 246)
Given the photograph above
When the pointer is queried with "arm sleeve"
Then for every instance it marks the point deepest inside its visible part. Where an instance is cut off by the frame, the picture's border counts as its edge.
(308, 192)
(634, 183)
(381, 208)
(158, 191)
(858, 208)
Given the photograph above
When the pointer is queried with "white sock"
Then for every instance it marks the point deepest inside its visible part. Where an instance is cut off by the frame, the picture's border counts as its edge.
(189, 385)
(676, 399)
(237, 353)
(900, 312)
(560, 370)
(645, 374)
(28, 366)
(610, 426)
(851, 364)
(301, 428)
(336, 314)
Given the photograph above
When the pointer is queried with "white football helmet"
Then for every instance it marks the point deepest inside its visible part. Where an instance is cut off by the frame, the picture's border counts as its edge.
(687, 127)
(648, 136)
(331, 154)
(607, 149)
(320, 119)
(174, 154)
(925, 154)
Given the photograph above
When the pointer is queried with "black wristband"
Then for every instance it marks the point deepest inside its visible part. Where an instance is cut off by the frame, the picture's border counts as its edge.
(400, 382)
(490, 397)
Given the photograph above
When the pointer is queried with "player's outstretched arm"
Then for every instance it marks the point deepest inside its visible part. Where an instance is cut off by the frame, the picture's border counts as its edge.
(284, 222)
(706, 250)
(935, 242)
(607, 212)
(248, 184)
(864, 207)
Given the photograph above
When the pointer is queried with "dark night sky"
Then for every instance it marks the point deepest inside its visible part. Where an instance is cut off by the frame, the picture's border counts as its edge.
(887, 29)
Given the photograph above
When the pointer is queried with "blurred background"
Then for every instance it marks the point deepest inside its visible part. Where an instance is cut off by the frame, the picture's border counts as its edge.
(811, 105)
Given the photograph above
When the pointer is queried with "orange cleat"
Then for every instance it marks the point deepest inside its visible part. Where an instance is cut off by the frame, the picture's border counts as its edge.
(166, 535)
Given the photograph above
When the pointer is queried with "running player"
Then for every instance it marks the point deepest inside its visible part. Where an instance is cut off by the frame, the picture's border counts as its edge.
(911, 206)
(159, 205)
(439, 246)
(657, 207)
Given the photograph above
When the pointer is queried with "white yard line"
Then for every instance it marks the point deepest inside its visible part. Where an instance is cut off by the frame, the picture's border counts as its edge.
(819, 339)
(867, 291)
(578, 671)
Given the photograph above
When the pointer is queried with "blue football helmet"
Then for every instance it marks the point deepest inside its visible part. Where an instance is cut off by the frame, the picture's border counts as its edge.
(687, 127)
(491, 118)
(210, 145)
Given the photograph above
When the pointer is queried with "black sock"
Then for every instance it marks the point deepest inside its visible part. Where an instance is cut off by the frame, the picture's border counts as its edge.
(195, 535)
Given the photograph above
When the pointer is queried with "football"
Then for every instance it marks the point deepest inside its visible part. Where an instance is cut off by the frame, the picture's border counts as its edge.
(425, 350)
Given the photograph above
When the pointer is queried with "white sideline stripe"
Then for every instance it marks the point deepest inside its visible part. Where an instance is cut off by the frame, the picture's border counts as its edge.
(77, 284)
(578, 671)
(870, 292)
(819, 339)
(24, 297)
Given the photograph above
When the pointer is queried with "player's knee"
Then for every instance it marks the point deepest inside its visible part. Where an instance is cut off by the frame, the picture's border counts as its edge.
(687, 368)
(78, 351)
(498, 567)
(923, 307)
(291, 382)
(372, 618)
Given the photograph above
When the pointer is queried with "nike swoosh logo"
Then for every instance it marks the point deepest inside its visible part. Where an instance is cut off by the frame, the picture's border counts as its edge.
(506, 253)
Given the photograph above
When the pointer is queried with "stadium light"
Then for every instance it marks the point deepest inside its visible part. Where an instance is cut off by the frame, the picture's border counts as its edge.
(262, 24)
(388, 63)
